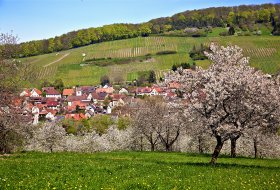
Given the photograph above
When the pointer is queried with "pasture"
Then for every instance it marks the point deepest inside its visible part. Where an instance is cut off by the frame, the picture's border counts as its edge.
(264, 52)
(135, 170)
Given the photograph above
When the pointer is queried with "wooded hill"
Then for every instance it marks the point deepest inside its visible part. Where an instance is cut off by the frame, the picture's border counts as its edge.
(245, 18)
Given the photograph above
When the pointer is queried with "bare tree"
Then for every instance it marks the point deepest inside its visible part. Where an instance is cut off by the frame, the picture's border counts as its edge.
(13, 76)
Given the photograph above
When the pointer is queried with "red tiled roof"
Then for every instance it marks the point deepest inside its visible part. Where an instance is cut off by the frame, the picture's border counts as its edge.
(68, 92)
(52, 92)
(99, 96)
(158, 89)
(82, 105)
(17, 101)
(143, 90)
(76, 98)
(52, 103)
(116, 97)
(37, 91)
(27, 93)
(108, 90)
(76, 117)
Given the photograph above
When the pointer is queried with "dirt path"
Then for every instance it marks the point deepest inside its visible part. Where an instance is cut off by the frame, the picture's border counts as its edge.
(57, 60)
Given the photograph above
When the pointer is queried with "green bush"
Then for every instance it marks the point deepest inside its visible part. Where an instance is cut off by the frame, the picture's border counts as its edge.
(166, 52)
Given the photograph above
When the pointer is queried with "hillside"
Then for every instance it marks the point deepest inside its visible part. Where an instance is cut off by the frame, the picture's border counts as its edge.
(243, 18)
(135, 170)
(70, 66)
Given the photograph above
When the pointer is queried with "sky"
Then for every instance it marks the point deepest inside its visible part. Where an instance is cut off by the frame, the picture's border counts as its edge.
(41, 19)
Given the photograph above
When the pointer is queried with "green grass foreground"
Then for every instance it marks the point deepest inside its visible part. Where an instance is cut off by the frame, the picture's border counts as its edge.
(135, 170)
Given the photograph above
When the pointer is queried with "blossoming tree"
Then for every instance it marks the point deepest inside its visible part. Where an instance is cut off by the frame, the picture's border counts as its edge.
(229, 96)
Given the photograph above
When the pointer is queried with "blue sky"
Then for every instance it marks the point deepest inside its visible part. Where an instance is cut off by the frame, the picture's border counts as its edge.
(39, 19)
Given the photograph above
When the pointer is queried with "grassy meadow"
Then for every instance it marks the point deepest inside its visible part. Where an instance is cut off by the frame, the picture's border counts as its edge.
(264, 52)
(135, 170)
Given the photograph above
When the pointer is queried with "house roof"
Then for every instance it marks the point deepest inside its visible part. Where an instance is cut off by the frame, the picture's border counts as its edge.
(68, 92)
(99, 96)
(158, 89)
(45, 111)
(37, 91)
(116, 97)
(76, 117)
(51, 103)
(108, 90)
(47, 88)
(76, 98)
(143, 90)
(52, 92)
(87, 89)
(26, 93)
(79, 103)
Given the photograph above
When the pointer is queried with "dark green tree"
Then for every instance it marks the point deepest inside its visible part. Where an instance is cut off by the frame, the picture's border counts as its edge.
(152, 77)
(104, 80)
(231, 31)
(58, 84)
(174, 67)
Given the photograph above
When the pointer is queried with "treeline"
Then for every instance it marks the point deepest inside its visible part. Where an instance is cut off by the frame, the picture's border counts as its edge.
(244, 17)
(241, 16)
(84, 37)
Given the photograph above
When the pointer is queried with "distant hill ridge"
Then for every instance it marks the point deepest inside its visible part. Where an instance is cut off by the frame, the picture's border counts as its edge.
(244, 17)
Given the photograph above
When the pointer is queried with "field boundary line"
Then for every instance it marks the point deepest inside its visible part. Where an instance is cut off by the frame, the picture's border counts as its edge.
(56, 60)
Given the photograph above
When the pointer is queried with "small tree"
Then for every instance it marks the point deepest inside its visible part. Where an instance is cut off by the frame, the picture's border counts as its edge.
(152, 77)
(171, 125)
(174, 67)
(50, 135)
(104, 80)
(231, 31)
(147, 120)
(58, 84)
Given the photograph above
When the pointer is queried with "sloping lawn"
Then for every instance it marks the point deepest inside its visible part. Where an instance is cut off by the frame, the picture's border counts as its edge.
(135, 170)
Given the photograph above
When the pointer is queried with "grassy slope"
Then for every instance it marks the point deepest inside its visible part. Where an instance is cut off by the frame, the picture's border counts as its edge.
(263, 50)
(135, 170)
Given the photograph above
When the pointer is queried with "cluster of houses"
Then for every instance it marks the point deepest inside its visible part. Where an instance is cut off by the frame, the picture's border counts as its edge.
(86, 101)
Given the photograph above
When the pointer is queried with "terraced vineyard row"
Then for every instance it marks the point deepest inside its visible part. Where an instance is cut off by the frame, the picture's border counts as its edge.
(131, 52)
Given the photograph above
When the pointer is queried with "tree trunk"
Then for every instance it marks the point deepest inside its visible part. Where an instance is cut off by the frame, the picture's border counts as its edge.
(141, 143)
(168, 148)
(217, 150)
(256, 148)
(200, 149)
(152, 147)
(233, 146)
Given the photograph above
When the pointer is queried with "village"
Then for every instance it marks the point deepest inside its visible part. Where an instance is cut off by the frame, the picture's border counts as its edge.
(84, 102)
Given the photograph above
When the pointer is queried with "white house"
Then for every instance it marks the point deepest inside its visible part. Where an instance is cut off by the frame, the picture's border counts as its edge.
(52, 93)
(154, 92)
(50, 116)
(123, 91)
(35, 93)
(109, 110)
(79, 92)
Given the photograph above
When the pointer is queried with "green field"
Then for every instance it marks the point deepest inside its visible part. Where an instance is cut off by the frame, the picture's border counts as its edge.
(264, 52)
(135, 170)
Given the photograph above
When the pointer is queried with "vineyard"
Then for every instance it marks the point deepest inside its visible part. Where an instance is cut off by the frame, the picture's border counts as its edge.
(264, 53)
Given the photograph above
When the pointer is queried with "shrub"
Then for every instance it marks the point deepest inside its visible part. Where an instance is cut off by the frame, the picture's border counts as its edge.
(166, 52)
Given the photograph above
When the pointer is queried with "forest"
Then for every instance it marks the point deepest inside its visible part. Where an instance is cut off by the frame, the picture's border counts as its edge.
(245, 18)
